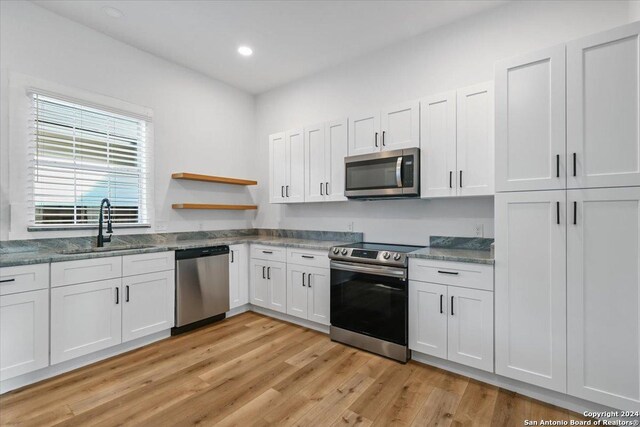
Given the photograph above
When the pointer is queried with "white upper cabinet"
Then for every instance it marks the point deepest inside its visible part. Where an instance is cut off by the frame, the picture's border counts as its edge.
(530, 121)
(400, 126)
(325, 150)
(277, 167)
(530, 287)
(475, 140)
(603, 294)
(603, 83)
(438, 145)
(286, 167)
(364, 133)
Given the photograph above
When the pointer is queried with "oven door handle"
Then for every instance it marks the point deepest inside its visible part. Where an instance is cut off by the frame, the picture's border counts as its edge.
(399, 172)
(400, 273)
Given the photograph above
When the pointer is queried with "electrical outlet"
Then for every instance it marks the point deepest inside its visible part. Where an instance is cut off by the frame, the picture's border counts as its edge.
(350, 226)
(478, 230)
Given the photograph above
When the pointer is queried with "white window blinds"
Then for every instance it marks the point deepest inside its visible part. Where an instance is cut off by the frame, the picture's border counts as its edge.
(81, 155)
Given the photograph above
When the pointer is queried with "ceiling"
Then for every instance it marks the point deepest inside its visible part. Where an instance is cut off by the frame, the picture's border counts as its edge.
(290, 39)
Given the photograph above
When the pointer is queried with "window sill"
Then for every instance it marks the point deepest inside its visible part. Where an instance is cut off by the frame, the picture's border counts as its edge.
(82, 227)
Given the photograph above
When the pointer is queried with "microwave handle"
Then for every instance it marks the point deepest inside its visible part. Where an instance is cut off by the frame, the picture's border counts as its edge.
(399, 172)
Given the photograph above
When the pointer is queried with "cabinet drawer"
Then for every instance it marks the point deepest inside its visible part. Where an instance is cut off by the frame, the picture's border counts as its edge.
(23, 278)
(308, 257)
(85, 270)
(467, 275)
(271, 253)
(148, 263)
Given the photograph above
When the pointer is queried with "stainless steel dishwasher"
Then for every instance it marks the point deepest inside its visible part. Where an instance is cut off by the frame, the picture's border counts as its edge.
(202, 287)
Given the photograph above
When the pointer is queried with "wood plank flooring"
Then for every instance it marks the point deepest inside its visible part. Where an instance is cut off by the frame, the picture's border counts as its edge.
(252, 370)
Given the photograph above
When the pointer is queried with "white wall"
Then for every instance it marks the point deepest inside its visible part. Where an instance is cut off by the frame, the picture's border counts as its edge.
(200, 124)
(452, 56)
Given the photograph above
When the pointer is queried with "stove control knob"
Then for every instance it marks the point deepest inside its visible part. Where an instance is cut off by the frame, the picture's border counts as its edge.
(397, 257)
(386, 255)
(336, 250)
(344, 251)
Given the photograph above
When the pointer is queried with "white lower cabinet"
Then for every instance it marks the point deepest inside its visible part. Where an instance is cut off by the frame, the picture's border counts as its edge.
(268, 285)
(238, 275)
(308, 293)
(297, 291)
(451, 322)
(85, 318)
(148, 304)
(24, 332)
(258, 286)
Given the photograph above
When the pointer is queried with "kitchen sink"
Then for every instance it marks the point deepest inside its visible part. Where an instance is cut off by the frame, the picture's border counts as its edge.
(103, 249)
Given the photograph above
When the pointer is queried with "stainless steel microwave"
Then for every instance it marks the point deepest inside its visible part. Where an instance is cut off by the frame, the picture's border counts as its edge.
(387, 174)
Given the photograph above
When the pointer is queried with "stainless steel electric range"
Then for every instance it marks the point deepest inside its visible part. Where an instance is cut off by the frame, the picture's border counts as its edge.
(369, 297)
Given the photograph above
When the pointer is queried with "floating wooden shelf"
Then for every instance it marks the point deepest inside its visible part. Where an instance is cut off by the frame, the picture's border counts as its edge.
(210, 178)
(209, 206)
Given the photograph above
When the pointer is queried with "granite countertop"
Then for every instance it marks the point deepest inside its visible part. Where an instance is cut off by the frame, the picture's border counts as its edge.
(457, 249)
(65, 252)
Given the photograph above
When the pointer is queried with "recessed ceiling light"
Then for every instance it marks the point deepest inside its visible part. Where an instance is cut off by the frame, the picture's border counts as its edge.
(245, 51)
(112, 12)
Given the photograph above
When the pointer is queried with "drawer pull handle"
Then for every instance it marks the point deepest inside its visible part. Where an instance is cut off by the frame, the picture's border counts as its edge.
(7, 280)
(267, 252)
(308, 256)
(454, 273)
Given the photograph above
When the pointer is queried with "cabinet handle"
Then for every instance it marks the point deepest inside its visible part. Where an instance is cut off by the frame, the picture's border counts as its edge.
(557, 165)
(321, 187)
(575, 213)
(460, 179)
(383, 132)
(117, 295)
(303, 274)
(454, 273)
(308, 256)
(232, 256)
(127, 293)
(558, 213)
(287, 190)
(441, 298)
(450, 179)
(269, 273)
(7, 280)
(452, 305)
(326, 188)
(574, 164)
(309, 280)
(263, 272)
(267, 252)
(376, 139)
(282, 191)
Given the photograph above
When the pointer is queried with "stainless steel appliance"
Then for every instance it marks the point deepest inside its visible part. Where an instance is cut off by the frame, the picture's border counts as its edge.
(202, 286)
(387, 174)
(369, 297)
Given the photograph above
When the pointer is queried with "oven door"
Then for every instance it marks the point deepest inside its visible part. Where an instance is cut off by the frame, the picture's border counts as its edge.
(384, 174)
(370, 300)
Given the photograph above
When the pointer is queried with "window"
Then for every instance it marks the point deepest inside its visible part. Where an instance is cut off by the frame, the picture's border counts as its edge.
(79, 156)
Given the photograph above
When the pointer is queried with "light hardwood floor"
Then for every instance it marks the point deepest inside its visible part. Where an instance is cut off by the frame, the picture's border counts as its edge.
(252, 370)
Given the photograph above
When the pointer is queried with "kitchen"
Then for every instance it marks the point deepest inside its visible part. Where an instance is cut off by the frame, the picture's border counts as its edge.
(246, 154)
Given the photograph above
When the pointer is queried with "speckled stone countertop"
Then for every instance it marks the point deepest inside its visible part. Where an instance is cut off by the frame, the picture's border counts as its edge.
(39, 251)
(457, 249)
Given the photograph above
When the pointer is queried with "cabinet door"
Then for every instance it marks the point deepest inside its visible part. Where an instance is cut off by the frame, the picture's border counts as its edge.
(314, 160)
(336, 150)
(258, 286)
(400, 126)
(428, 318)
(297, 291)
(530, 287)
(277, 284)
(85, 318)
(24, 333)
(530, 121)
(364, 133)
(438, 169)
(147, 304)
(318, 285)
(470, 331)
(603, 292)
(238, 275)
(294, 190)
(603, 83)
(475, 144)
(277, 167)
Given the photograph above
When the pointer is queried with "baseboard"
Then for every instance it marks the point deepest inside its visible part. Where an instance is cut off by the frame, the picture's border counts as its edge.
(551, 397)
(60, 368)
(238, 310)
(291, 319)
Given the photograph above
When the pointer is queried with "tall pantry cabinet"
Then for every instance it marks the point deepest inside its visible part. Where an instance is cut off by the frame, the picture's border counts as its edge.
(567, 257)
